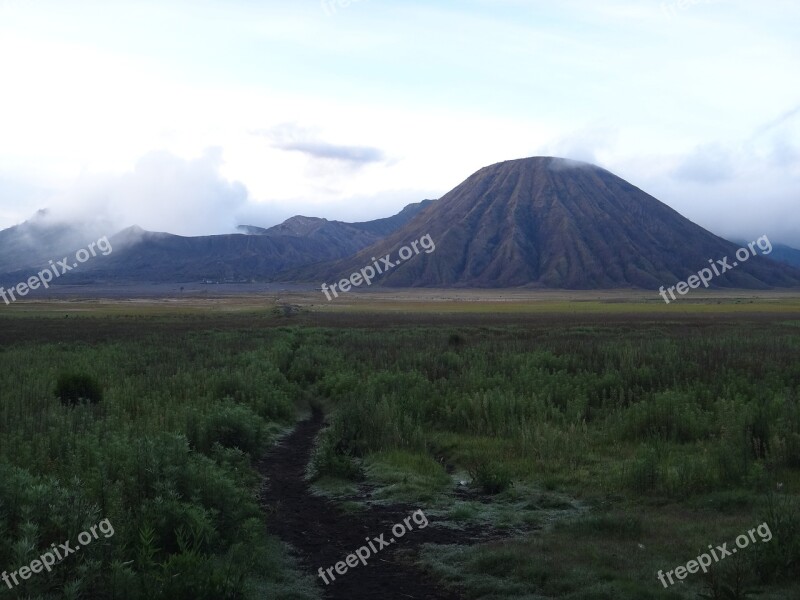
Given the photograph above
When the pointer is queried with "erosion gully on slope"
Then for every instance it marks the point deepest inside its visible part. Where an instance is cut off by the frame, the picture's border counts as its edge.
(324, 535)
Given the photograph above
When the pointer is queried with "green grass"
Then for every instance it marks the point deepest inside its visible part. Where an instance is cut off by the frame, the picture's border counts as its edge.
(166, 455)
(407, 476)
(621, 449)
(645, 418)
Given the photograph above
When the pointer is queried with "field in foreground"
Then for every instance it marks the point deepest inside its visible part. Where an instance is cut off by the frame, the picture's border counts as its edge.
(562, 446)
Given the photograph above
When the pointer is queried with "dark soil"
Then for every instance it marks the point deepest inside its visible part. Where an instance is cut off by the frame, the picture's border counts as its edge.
(79, 325)
(323, 535)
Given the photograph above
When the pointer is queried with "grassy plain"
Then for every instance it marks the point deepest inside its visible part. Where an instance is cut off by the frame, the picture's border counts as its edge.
(601, 437)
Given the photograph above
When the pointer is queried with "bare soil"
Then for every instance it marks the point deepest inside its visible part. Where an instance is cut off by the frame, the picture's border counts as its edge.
(322, 535)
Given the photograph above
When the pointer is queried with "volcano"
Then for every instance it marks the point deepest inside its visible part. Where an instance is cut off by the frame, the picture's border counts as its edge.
(554, 223)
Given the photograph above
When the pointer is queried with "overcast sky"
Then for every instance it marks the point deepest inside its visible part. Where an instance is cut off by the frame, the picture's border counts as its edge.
(193, 117)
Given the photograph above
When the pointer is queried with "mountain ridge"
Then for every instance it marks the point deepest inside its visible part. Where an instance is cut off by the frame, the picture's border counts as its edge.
(539, 222)
(141, 255)
(552, 223)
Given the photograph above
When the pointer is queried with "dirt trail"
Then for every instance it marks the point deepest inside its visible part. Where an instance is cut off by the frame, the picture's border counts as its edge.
(323, 535)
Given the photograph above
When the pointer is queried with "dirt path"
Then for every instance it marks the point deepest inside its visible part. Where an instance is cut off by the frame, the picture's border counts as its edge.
(324, 535)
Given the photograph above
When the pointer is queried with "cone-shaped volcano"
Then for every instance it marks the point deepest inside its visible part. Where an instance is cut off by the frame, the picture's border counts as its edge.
(555, 223)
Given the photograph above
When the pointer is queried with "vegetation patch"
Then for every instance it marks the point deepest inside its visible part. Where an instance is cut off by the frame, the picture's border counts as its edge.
(73, 388)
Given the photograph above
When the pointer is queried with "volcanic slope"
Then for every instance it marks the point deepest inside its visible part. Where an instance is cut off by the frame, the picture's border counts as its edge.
(554, 223)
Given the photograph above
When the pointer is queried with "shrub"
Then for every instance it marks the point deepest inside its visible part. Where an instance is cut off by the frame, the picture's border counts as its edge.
(455, 340)
(230, 387)
(780, 559)
(72, 388)
(491, 478)
(326, 460)
(668, 416)
(192, 575)
(232, 426)
(644, 474)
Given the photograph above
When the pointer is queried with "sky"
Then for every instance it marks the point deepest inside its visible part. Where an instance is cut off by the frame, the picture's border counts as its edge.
(195, 117)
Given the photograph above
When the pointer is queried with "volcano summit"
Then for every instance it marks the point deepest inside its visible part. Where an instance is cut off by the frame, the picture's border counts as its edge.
(554, 223)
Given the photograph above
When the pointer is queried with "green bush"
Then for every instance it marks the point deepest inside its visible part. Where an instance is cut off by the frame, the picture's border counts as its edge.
(455, 340)
(231, 426)
(73, 388)
(780, 558)
(327, 461)
(192, 575)
(644, 474)
(668, 416)
(491, 478)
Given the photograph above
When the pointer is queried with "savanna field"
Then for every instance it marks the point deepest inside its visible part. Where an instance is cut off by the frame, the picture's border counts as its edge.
(563, 450)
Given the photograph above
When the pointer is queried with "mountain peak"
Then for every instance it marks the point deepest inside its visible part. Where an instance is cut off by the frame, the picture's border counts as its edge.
(552, 222)
(298, 225)
(550, 163)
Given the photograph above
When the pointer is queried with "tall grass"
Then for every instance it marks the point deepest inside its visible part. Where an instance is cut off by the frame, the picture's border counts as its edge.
(694, 411)
(167, 456)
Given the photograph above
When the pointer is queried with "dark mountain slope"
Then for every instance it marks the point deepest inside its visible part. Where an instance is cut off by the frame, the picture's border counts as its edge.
(40, 239)
(160, 257)
(349, 237)
(786, 255)
(142, 256)
(384, 227)
(549, 222)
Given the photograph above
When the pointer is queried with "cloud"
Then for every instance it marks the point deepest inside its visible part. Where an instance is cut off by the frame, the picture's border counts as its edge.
(772, 144)
(168, 193)
(784, 118)
(777, 139)
(21, 197)
(293, 138)
(163, 192)
(739, 189)
(582, 145)
(783, 152)
(567, 164)
(355, 154)
(709, 163)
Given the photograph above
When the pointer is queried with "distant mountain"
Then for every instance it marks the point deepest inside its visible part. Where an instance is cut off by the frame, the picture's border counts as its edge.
(345, 236)
(143, 256)
(549, 222)
(786, 255)
(251, 230)
(384, 227)
(538, 222)
(350, 237)
(40, 239)
(140, 255)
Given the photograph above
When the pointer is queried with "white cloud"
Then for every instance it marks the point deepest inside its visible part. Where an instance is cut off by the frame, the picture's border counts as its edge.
(417, 95)
(162, 193)
(587, 145)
